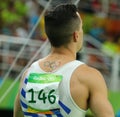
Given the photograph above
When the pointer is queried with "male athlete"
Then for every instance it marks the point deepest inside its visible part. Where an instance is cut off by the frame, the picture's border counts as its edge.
(59, 85)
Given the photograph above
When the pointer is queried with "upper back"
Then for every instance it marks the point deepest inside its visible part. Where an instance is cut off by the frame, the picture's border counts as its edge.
(66, 72)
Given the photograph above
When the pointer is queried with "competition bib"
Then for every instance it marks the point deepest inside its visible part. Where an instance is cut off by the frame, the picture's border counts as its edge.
(42, 92)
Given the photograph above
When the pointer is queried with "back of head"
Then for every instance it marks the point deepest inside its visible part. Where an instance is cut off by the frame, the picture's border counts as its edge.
(61, 23)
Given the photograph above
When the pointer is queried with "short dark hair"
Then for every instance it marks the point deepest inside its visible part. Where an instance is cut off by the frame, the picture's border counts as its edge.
(60, 24)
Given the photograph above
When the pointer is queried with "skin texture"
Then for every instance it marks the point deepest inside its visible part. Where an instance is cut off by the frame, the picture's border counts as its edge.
(86, 81)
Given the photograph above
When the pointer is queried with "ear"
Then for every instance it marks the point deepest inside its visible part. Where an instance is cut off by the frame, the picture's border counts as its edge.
(75, 36)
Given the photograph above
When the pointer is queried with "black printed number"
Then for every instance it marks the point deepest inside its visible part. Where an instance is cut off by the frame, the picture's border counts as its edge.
(43, 96)
(51, 97)
(32, 96)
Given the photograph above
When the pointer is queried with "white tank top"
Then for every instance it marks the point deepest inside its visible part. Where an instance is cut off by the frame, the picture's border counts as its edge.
(48, 94)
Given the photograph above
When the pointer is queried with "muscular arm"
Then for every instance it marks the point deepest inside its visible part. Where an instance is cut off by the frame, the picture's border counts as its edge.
(98, 101)
(17, 107)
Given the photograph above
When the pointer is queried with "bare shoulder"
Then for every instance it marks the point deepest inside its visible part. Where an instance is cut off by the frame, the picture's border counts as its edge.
(91, 77)
(89, 73)
(98, 92)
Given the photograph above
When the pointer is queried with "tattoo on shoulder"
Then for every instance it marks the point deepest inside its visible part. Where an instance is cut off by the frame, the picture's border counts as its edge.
(51, 64)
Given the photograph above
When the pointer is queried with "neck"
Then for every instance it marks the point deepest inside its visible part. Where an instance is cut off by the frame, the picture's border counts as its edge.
(57, 58)
(70, 53)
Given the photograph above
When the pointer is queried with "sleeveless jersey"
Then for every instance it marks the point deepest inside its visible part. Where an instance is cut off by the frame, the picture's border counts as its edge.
(47, 94)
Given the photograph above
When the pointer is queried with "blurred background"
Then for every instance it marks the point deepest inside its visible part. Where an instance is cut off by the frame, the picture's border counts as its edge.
(23, 40)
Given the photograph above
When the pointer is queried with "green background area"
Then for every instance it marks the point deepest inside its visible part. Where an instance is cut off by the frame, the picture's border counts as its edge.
(114, 98)
(8, 102)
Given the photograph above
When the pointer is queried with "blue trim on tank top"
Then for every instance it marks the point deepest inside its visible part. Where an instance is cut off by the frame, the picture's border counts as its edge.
(64, 107)
(23, 93)
(23, 104)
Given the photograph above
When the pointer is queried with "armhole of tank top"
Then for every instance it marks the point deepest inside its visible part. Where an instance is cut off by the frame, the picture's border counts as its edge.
(77, 64)
(68, 70)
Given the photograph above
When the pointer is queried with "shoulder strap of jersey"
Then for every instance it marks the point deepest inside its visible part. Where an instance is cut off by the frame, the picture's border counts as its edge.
(70, 67)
